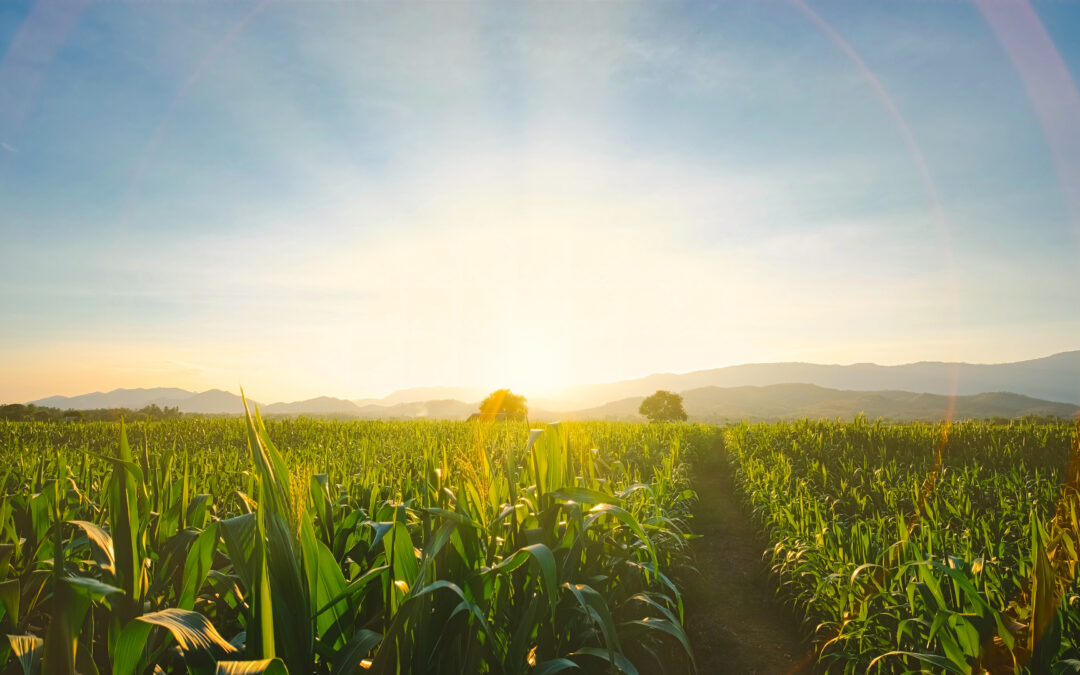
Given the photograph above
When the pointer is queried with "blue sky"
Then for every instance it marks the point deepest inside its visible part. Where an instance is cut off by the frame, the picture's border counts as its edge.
(347, 198)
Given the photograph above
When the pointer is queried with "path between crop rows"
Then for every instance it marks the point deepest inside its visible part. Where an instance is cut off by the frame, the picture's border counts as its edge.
(735, 623)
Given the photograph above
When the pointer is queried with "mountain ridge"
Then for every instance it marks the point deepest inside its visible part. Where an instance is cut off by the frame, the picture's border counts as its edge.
(807, 401)
(1053, 379)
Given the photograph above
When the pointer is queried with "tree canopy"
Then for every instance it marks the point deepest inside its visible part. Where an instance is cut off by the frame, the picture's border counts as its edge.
(503, 404)
(17, 412)
(663, 406)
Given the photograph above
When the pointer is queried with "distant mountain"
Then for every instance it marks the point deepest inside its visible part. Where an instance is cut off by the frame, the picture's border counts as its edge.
(798, 401)
(750, 391)
(119, 398)
(218, 402)
(323, 405)
(210, 402)
(448, 409)
(1053, 378)
(416, 394)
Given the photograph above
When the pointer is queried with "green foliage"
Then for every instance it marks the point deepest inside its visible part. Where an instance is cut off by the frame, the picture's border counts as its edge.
(918, 547)
(236, 546)
(663, 406)
(503, 404)
(18, 412)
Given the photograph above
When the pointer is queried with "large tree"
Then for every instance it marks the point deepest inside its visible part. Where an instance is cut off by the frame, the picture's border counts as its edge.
(503, 404)
(663, 406)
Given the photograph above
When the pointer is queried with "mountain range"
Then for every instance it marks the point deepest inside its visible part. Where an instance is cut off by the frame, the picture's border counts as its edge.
(798, 401)
(1053, 378)
(1044, 386)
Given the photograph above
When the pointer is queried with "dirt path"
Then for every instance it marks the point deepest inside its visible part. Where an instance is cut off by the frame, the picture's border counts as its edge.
(735, 623)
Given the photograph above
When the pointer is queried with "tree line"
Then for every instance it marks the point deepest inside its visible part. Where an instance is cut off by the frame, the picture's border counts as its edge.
(19, 412)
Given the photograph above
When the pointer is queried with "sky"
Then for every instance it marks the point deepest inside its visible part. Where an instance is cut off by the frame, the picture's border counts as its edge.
(348, 198)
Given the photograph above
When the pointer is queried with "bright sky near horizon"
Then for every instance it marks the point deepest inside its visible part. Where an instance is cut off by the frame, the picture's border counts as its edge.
(348, 198)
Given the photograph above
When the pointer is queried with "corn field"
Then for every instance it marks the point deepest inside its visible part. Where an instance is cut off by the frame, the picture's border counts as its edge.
(304, 546)
(921, 548)
(300, 546)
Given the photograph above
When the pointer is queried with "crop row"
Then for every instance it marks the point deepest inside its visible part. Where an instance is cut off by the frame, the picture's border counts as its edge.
(243, 546)
(921, 548)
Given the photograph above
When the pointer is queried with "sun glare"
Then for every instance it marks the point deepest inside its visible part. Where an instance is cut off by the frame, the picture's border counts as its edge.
(536, 365)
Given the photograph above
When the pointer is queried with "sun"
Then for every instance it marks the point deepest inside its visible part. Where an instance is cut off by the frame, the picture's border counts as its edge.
(536, 365)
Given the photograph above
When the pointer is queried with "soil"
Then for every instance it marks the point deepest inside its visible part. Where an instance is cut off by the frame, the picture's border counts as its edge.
(735, 622)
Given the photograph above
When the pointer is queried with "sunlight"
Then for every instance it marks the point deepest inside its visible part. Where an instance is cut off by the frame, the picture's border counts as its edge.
(535, 363)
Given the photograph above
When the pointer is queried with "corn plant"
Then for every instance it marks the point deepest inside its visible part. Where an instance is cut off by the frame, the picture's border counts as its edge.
(921, 548)
(303, 546)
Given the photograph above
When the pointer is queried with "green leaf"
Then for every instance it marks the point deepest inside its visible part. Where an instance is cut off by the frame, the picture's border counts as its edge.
(347, 661)
(627, 519)
(124, 519)
(356, 586)
(192, 631)
(196, 510)
(616, 658)
(396, 636)
(399, 548)
(239, 535)
(552, 666)
(596, 608)
(29, 651)
(663, 625)
(436, 544)
(8, 549)
(1044, 599)
(130, 647)
(263, 667)
(89, 588)
(9, 599)
(282, 597)
(940, 662)
(324, 579)
(101, 545)
(585, 496)
(197, 565)
(545, 563)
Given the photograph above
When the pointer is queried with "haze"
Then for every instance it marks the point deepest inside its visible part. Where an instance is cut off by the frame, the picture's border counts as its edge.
(347, 199)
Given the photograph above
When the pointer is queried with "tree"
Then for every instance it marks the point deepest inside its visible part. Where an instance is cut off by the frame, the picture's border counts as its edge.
(663, 406)
(503, 404)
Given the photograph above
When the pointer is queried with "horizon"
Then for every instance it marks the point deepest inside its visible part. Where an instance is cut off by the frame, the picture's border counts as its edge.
(547, 396)
(333, 199)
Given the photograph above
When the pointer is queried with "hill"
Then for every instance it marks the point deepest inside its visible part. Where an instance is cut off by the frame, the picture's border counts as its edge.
(323, 405)
(119, 398)
(798, 401)
(210, 402)
(1052, 378)
(910, 391)
(448, 409)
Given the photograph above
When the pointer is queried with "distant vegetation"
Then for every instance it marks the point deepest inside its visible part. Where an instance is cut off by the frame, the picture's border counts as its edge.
(705, 404)
(663, 406)
(503, 404)
(17, 412)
